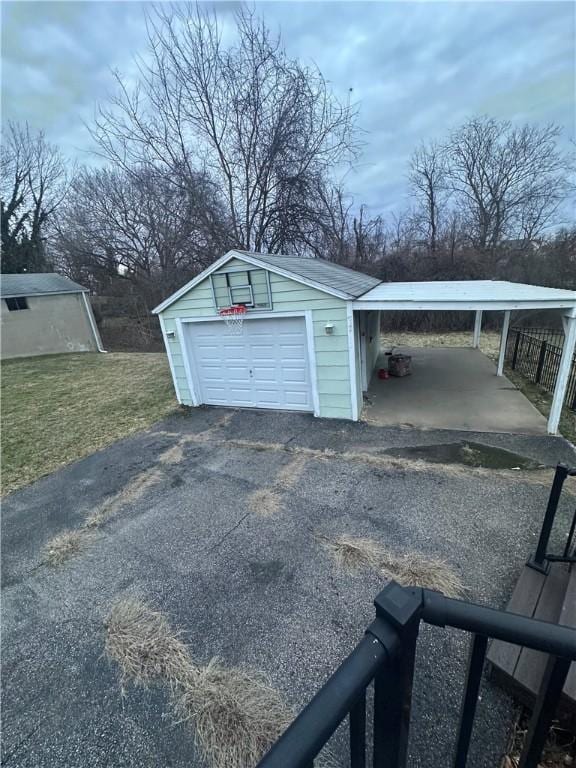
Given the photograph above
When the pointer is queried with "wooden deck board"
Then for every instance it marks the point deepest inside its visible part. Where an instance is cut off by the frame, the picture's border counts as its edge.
(568, 618)
(547, 597)
(531, 664)
(524, 600)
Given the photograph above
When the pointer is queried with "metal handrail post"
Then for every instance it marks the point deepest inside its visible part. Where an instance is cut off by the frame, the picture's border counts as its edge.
(538, 561)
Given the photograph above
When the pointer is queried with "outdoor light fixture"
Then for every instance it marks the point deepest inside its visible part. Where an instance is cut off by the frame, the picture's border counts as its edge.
(329, 329)
(170, 335)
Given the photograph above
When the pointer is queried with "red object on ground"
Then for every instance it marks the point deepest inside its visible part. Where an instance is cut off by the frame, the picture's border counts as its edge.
(383, 373)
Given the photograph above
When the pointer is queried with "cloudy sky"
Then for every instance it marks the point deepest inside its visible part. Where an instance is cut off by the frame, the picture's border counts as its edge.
(416, 68)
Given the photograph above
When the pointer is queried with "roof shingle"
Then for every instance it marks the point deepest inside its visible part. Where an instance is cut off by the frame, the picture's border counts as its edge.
(326, 273)
(37, 284)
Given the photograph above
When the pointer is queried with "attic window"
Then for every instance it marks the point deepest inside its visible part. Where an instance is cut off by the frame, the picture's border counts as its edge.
(16, 302)
(249, 287)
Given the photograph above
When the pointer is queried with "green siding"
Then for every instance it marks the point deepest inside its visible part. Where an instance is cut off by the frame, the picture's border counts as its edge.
(332, 361)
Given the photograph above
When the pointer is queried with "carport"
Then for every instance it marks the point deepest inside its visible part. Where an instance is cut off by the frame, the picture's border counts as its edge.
(480, 296)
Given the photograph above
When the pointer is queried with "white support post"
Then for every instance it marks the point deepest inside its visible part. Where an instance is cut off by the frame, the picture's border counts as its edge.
(503, 340)
(477, 329)
(563, 375)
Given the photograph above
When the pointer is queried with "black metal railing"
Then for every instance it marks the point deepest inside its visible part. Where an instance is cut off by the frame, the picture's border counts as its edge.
(536, 353)
(385, 656)
(542, 557)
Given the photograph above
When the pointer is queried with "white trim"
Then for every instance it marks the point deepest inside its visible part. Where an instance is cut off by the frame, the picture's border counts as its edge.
(563, 375)
(196, 400)
(191, 283)
(503, 342)
(93, 326)
(477, 329)
(306, 314)
(463, 306)
(309, 318)
(352, 361)
(248, 316)
(363, 328)
(249, 260)
(170, 360)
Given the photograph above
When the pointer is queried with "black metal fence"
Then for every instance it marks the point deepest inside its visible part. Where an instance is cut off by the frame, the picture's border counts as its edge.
(535, 353)
(386, 655)
(542, 557)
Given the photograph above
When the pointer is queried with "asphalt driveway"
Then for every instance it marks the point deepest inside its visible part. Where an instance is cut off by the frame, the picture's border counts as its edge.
(247, 580)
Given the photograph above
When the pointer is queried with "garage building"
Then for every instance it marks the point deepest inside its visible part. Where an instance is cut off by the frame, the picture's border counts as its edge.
(45, 314)
(310, 335)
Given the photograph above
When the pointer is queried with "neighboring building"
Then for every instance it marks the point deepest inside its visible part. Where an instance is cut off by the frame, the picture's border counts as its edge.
(310, 335)
(45, 314)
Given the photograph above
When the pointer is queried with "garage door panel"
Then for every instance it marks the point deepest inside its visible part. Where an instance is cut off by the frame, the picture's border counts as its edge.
(267, 366)
(261, 374)
(295, 397)
(292, 351)
(294, 376)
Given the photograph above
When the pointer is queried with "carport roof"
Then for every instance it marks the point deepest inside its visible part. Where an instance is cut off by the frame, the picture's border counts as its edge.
(466, 294)
(37, 284)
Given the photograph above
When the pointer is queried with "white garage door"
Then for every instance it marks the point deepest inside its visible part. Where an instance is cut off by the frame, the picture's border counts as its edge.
(265, 367)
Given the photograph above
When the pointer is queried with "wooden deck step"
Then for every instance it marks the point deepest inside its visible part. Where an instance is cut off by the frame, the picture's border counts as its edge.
(568, 618)
(548, 597)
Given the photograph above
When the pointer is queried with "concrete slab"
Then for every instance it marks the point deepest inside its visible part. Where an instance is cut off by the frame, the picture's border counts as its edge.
(455, 388)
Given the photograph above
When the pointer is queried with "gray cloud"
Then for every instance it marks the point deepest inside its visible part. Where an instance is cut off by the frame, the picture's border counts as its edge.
(416, 69)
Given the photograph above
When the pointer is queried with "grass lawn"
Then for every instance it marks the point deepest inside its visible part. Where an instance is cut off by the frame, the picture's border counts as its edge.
(490, 345)
(58, 408)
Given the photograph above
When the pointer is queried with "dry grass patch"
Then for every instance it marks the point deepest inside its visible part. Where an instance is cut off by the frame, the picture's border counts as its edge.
(237, 715)
(173, 455)
(352, 553)
(413, 569)
(267, 501)
(410, 569)
(289, 475)
(64, 545)
(132, 491)
(489, 340)
(144, 645)
(264, 502)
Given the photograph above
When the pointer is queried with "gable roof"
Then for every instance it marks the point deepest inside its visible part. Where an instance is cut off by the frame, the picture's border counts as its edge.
(37, 284)
(323, 275)
(326, 273)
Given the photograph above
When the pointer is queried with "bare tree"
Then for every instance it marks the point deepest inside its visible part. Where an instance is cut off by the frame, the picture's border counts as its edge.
(427, 178)
(33, 185)
(264, 128)
(140, 227)
(508, 181)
